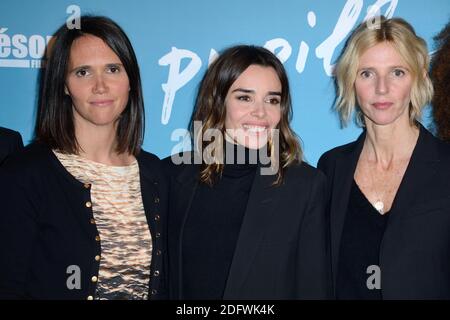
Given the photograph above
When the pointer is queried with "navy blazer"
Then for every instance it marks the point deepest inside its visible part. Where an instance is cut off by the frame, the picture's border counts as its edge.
(10, 141)
(415, 249)
(46, 226)
(281, 248)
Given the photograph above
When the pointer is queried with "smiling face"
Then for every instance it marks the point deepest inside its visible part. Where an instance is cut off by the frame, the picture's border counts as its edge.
(253, 106)
(97, 83)
(383, 85)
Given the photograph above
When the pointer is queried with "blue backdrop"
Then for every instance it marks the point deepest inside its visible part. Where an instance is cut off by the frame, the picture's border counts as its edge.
(175, 39)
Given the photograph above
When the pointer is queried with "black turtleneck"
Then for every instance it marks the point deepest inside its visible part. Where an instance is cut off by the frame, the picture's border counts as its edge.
(213, 224)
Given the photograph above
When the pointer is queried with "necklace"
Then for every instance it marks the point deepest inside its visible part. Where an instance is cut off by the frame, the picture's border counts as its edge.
(378, 204)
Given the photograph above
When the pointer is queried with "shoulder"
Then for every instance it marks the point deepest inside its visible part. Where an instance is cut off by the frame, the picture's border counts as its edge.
(304, 179)
(328, 159)
(334, 153)
(10, 141)
(431, 147)
(35, 156)
(148, 158)
(9, 134)
(444, 149)
(300, 172)
(183, 162)
(31, 168)
(151, 167)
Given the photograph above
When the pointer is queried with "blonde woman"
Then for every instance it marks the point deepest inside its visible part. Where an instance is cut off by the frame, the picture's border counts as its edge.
(390, 202)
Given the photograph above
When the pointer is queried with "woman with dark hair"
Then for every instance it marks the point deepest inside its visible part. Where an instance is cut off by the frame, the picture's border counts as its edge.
(440, 75)
(10, 141)
(84, 205)
(247, 218)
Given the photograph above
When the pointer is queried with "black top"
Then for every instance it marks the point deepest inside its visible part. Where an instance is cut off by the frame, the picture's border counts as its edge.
(47, 228)
(415, 251)
(10, 141)
(281, 249)
(360, 248)
(212, 229)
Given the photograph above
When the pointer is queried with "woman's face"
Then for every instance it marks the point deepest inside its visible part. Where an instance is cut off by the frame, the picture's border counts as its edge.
(97, 82)
(383, 85)
(253, 106)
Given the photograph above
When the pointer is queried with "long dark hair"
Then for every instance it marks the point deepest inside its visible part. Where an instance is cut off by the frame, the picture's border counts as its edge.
(54, 123)
(440, 75)
(211, 111)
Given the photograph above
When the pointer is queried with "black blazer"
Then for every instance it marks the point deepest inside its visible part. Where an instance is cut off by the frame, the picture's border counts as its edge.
(415, 249)
(281, 249)
(45, 226)
(10, 141)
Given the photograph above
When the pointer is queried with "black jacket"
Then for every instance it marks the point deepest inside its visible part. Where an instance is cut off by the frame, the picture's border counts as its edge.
(45, 226)
(10, 141)
(415, 249)
(281, 249)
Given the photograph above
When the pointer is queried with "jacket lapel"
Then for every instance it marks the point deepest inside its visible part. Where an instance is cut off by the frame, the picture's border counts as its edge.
(148, 191)
(260, 209)
(186, 184)
(420, 172)
(342, 182)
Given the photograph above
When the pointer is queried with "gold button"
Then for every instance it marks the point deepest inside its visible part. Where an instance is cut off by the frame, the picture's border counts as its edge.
(156, 200)
(158, 253)
(94, 279)
(97, 238)
(90, 298)
(92, 221)
(158, 235)
(156, 273)
(88, 204)
(97, 258)
(157, 217)
(154, 291)
(87, 185)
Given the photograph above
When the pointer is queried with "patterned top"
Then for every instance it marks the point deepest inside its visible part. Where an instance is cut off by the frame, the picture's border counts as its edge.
(118, 210)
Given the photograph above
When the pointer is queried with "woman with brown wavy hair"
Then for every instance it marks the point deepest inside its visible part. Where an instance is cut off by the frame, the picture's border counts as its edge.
(247, 219)
(440, 75)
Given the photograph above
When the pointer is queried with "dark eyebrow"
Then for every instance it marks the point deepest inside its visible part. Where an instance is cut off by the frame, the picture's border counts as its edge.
(243, 90)
(80, 67)
(109, 65)
(114, 65)
(271, 93)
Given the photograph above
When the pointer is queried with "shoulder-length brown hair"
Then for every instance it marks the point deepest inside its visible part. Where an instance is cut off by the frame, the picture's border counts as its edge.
(54, 124)
(440, 75)
(210, 107)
